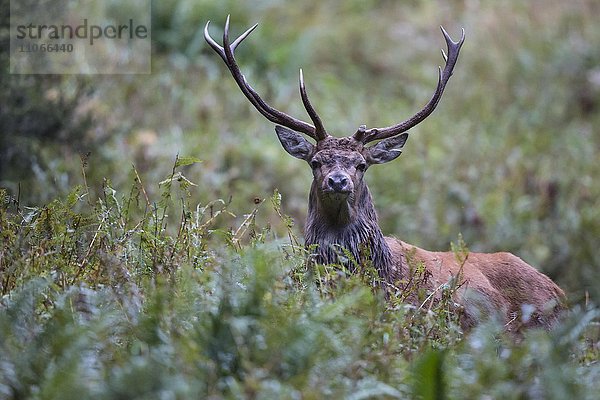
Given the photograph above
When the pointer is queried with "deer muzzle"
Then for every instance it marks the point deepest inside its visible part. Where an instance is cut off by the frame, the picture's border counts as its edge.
(338, 182)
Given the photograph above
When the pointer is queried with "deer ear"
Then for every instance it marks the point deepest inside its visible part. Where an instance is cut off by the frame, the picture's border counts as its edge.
(386, 150)
(294, 143)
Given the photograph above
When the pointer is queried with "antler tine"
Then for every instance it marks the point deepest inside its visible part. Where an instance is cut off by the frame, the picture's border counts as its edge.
(243, 36)
(319, 129)
(226, 52)
(235, 44)
(216, 47)
(369, 135)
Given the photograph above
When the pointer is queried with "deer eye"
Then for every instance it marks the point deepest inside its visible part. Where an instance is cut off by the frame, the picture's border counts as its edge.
(362, 166)
(315, 164)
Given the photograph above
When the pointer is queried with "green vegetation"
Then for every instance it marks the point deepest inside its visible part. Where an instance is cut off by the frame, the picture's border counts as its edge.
(123, 274)
(99, 304)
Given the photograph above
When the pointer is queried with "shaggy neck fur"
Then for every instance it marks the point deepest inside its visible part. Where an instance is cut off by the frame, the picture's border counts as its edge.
(338, 225)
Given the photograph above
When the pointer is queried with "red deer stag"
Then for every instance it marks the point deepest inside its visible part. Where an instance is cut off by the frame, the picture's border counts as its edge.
(341, 212)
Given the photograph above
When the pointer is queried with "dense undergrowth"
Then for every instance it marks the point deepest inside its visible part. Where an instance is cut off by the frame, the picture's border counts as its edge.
(99, 301)
(140, 282)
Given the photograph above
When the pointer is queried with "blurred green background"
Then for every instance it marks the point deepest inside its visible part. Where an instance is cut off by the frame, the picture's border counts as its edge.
(509, 159)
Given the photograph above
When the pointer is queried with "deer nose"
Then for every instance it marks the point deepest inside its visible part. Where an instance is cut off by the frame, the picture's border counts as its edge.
(339, 183)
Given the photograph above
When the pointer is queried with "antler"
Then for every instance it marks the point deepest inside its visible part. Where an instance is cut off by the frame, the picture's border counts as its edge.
(317, 131)
(369, 135)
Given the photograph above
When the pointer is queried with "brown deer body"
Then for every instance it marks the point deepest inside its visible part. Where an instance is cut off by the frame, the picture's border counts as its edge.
(342, 219)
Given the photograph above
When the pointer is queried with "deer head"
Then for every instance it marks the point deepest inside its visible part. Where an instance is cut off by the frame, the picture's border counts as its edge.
(340, 206)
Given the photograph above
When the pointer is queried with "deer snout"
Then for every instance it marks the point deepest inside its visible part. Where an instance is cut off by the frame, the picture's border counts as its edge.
(338, 182)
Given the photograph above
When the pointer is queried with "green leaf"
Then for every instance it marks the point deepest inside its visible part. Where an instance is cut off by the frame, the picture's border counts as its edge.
(182, 161)
(429, 382)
